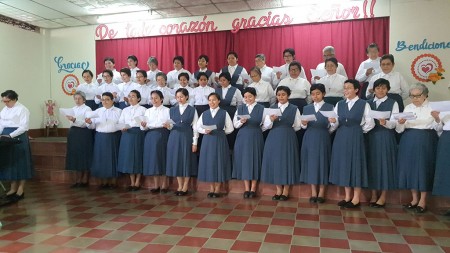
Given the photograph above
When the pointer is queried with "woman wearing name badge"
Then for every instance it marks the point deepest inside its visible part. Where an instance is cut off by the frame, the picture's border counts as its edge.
(417, 148)
(106, 142)
(143, 88)
(334, 83)
(182, 143)
(14, 120)
(315, 154)
(265, 94)
(89, 88)
(200, 97)
(281, 165)
(441, 186)
(348, 165)
(230, 98)
(399, 87)
(155, 142)
(214, 163)
(249, 144)
(382, 146)
(132, 141)
(80, 142)
(235, 71)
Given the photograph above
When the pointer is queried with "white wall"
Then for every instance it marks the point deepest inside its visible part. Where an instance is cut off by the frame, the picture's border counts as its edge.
(25, 69)
(413, 21)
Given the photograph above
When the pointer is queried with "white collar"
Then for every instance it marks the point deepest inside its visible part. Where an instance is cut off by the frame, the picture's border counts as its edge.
(380, 99)
(352, 100)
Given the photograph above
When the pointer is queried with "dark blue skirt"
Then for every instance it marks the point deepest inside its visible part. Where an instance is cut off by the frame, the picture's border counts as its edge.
(19, 163)
(315, 156)
(131, 151)
(382, 159)
(182, 162)
(80, 149)
(106, 152)
(155, 152)
(214, 164)
(442, 175)
(416, 159)
(248, 151)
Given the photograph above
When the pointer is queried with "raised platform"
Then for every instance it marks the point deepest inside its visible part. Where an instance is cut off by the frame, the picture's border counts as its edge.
(49, 160)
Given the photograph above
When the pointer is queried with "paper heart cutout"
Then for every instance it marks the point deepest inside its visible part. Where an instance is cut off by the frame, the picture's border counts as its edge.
(427, 67)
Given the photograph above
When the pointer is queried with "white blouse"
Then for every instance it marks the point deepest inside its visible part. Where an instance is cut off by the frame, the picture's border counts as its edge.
(267, 74)
(200, 95)
(299, 87)
(231, 70)
(211, 80)
(424, 119)
(172, 77)
(361, 73)
(16, 116)
(237, 122)
(367, 122)
(105, 87)
(156, 117)
(131, 112)
(116, 77)
(80, 115)
(89, 89)
(125, 89)
(286, 74)
(190, 91)
(264, 92)
(107, 120)
(145, 93)
(237, 96)
(228, 128)
(182, 108)
(167, 93)
(334, 85)
(133, 73)
(151, 77)
(396, 80)
(268, 124)
(391, 123)
(340, 70)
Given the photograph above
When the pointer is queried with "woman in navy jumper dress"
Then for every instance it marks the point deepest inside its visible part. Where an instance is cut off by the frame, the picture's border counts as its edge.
(417, 148)
(382, 151)
(214, 164)
(281, 165)
(348, 166)
(316, 145)
(182, 143)
(249, 144)
(441, 186)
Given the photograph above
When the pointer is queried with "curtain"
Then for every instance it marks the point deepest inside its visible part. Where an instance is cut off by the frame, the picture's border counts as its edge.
(349, 38)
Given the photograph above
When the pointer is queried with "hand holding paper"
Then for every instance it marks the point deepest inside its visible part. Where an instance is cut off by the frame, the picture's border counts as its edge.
(404, 115)
(318, 72)
(92, 115)
(210, 127)
(310, 117)
(67, 112)
(247, 116)
(329, 114)
(272, 111)
(440, 106)
(379, 114)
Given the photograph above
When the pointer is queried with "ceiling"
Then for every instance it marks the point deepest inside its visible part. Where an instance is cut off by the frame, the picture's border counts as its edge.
(69, 13)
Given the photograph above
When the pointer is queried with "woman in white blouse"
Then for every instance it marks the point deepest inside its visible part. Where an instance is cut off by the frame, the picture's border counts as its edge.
(172, 76)
(132, 62)
(106, 143)
(161, 80)
(183, 82)
(334, 82)
(155, 142)
(299, 87)
(89, 88)
(143, 88)
(132, 141)
(265, 94)
(108, 86)
(17, 166)
(80, 142)
(417, 148)
(152, 63)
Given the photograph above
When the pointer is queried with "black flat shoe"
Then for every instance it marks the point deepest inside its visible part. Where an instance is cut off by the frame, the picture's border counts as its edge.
(284, 197)
(313, 200)
(420, 209)
(351, 205)
(166, 190)
(16, 197)
(210, 194)
(410, 206)
(447, 213)
(252, 195)
(104, 186)
(246, 194)
(76, 185)
(84, 185)
(130, 188)
(112, 186)
(378, 205)
(320, 200)
(8, 196)
(371, 204)
(182, 193)
(216, 195)
(276, 197)
(177, 193)
(155, 190)
(136, 188)
(342, 203)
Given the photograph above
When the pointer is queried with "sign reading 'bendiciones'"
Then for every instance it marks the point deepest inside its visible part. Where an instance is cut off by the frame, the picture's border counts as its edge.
(425, 45)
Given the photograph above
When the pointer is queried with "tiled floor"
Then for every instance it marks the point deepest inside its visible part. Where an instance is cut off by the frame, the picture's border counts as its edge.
(59, 219)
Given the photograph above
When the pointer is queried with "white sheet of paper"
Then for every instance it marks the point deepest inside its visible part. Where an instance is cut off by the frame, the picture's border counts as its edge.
(170, 121)
(211, 127)
(67, 112)
(139, 119)
(309, 117)
(279, 69)
(379, 114)
(92, 115)
(247, 116)
(120, 126)
(329, 114)
(440, 106)
(245, 76)
(404, 115)
(272, 111)
(318, 72)
(368, 65)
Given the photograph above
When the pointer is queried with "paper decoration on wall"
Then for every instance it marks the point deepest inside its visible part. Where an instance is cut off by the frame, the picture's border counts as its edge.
(69, 84)
(427, 68)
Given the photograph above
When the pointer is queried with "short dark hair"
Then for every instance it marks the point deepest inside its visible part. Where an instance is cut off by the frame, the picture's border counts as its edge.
(372, 45)
(180, 58)
(126, 71)
(108, 94)
(138, 94)
(381, 82)
(285, 89)
(10, 94)
(354, 82)
(152, 59)
(387, 57)
(204, 56)
(157, 92)
(201, 74)
(87, 71)
(226, 75)
(257, 70)
(214, 94)
(295, 63)
(111, 59)
(134, 58)
(333, 60)
(183, 91)
(289, 50)
(143, 72)
(232, 53)
(161, 74)
(317, 86)
(183, 74)
(250, 90)
(111, 74)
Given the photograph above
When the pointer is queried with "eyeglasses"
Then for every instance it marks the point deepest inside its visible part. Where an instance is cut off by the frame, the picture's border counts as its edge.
(415, 96)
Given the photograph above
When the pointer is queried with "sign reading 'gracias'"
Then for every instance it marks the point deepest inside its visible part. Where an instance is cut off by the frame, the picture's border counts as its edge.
(69, 67)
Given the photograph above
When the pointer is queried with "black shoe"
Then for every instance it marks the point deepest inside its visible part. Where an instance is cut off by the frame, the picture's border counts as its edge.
(410, 206)
(84, 185)
(276, 197)
(130, 188)
(246, 194)
(351, 205)
(136, 188)
(342, 203)
(284, 197)
(9, 196)
(378, 205)
(216, 195)
(155, 190)
(104, 186)
(372, 204)
(112, 186)
(320, 200)
(166, 190)
(76, 185)
(210, 194)
(313, 200)
(447, 213)
(177, 193)
(15, 197)
(420, 209)
(182, 193)
(252, 195)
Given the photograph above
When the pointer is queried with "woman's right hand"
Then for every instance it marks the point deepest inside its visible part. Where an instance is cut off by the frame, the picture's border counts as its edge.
(401, 121)
(88, 120)
(144, 124)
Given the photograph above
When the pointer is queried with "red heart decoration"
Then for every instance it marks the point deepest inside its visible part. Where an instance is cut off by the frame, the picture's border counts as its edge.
(427, 67)
(70, 85)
